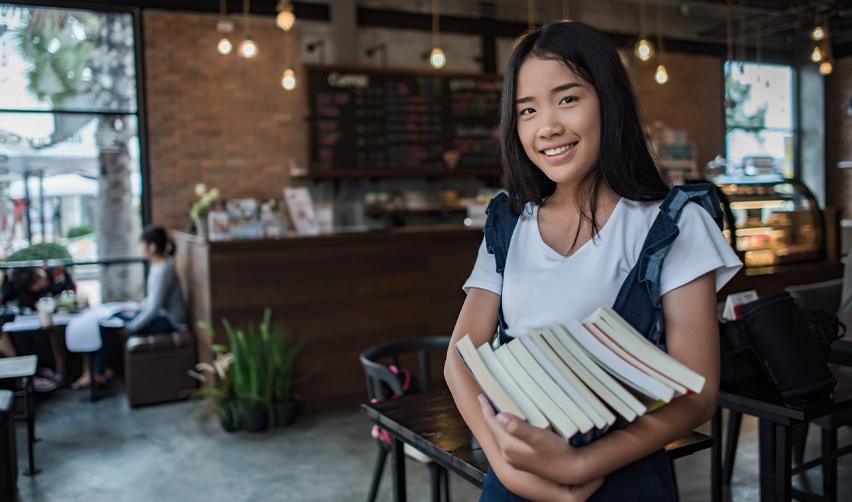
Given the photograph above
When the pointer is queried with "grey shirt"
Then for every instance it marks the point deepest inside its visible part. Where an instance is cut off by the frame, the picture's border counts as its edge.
(164, 298)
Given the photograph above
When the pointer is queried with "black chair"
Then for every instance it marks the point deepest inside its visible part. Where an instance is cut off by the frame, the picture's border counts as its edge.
(383, 383)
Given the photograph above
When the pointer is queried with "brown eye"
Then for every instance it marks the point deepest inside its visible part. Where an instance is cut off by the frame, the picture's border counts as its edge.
(568, 100)
(525, 111)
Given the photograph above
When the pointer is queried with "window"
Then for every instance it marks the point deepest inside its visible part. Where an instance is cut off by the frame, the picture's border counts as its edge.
(759, 132)
(69, 147)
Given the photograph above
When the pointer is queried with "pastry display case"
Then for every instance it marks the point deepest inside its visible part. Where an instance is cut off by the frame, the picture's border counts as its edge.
(775, 220)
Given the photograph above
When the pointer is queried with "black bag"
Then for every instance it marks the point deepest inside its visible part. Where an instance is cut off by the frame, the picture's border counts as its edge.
(778, 345)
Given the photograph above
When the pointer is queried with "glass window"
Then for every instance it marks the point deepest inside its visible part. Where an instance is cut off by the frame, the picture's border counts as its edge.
(759, 119)
(69, 144)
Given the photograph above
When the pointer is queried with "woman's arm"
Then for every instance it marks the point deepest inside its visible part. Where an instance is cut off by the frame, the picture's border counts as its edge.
(692, 337)
(478, 318)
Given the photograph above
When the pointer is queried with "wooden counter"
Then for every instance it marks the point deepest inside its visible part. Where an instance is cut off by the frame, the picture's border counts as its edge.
(340, 294)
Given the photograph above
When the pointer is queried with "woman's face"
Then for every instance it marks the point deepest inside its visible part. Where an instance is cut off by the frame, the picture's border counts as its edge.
(148, 250)
(558, 117)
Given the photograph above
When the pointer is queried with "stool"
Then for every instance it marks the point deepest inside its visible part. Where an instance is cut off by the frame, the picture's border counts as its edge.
(8, 452)
(156, 366)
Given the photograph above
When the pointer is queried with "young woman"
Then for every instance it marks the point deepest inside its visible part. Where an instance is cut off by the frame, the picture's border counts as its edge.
(585, 190)
(161, 312)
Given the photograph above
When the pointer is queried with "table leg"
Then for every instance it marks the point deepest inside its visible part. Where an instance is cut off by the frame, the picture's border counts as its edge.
(783, 462)
(716, 459)
(829, 469)
(398, 463)
(766, 453)
(30, 412)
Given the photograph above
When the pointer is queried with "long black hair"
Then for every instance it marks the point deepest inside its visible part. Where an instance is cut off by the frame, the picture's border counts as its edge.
(625, 163)
(163, 244)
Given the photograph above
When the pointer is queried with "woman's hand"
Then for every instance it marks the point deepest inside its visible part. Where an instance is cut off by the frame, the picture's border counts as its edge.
(533, 449)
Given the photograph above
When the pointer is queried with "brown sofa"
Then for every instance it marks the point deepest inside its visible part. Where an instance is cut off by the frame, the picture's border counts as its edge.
(155, 368)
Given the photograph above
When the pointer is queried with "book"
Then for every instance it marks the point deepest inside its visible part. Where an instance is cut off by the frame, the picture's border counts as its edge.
(581, 378)
(495, 393)
(606, 387)
(566, 377)
(534, 369)
(623, 334)
(557, 418)
(618, 367)
(534, 416)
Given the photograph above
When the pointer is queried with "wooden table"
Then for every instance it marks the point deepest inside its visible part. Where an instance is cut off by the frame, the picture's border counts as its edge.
(431, 423)
(24, 368)
(776, 419)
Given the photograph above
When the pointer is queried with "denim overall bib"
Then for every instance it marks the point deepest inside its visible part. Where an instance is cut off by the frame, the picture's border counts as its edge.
(638, 301)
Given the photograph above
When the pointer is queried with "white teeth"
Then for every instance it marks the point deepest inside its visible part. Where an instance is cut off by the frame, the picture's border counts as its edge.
(558, 150)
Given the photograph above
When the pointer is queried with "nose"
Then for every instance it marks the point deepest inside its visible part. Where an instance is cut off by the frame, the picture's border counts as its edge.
(550, 129)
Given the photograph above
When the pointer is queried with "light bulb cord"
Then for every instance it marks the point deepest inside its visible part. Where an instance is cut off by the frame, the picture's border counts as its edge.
(436, 5)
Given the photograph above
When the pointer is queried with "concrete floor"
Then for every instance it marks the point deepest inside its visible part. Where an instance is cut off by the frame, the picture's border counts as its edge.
(106, 451)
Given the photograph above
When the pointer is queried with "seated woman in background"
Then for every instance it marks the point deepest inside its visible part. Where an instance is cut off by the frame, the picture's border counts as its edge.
(161, 312)
(24, 287)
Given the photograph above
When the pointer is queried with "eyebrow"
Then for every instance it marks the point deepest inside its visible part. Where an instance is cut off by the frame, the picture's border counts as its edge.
(558, 88)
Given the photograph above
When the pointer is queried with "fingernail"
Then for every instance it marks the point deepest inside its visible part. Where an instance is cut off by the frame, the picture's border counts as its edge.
(481, 399)
(503, 419)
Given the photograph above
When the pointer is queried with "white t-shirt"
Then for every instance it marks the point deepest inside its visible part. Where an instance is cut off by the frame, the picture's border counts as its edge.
(541, 287)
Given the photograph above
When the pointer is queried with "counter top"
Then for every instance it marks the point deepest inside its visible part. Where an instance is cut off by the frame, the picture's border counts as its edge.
(430, 231)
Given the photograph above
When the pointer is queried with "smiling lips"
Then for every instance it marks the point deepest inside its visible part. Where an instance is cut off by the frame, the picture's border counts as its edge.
(559, 150)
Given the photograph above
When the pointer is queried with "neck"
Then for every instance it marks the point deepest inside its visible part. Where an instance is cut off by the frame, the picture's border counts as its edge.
(565, 196)
(157, 259)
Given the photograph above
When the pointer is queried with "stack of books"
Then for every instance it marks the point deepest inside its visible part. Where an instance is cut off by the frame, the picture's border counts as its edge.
(579, 379)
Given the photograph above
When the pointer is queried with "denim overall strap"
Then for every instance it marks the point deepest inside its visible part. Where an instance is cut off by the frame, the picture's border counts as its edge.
(499, 226)
(638, 300)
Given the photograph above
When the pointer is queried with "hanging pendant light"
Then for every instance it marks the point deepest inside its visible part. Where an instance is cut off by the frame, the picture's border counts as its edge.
(224, 26)
(285, 18)
(825, 68)
(247, 49)
(662, 74)
(818, 33)
(644, 49)
(288, 79)
(437, 58)
(816, 54)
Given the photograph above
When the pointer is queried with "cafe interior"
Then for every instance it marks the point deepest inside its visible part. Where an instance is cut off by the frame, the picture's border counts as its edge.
(234, 237)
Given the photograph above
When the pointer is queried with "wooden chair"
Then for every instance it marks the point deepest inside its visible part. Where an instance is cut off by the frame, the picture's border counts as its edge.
(383, 373)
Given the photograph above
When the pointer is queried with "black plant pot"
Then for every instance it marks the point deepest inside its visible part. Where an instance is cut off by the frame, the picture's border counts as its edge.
(254, 419)
(229, 422)
(285, 414)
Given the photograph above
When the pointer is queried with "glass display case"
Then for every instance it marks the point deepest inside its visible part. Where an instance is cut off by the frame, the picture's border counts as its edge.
(776, 220)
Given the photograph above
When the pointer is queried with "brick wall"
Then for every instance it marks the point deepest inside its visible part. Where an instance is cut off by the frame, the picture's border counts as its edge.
(691, 100)
(227, 122)
(221, 120)
(839, 132)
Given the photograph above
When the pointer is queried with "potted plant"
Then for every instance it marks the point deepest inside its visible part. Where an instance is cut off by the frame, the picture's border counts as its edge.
(252, 382)
(200, 208)
(282, 356)
(217, 389)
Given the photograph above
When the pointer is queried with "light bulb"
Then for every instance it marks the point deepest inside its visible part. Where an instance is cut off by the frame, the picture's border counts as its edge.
(662, 75)
(248, 49)
(437, 58)
(285, 20)
(816, 55)
(288, 80)
(644, 49)
(224, 47)
(818, 33)
(825, 68)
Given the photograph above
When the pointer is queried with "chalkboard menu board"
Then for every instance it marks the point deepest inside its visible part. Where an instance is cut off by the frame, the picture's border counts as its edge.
(368, 120)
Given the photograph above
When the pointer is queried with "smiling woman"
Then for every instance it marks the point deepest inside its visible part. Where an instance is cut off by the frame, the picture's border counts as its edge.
(584, 195)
